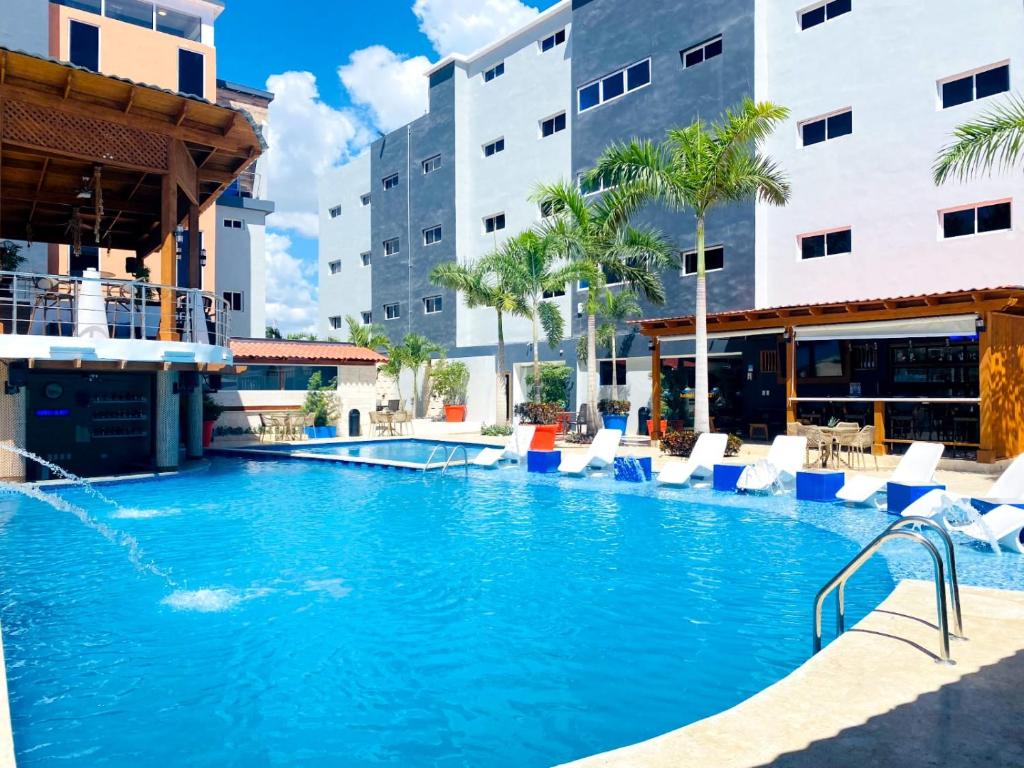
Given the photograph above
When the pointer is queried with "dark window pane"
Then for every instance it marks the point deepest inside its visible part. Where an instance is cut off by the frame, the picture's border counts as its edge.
(590, 96)
(131, 11)
(190, 73)
(639, 74)
(994, 217)
(560, 122)
(837, 8)
(696, 56)
(840, 125)
(559, 37)
(714, 258)
(547, 43)
(85, 46)
(178, 24)
(814, 133)
(613, 86)
(839, 242)
(813, 18)
(812, 247)
(957, 92)
(690, 264)
(499, 145)
(714, 48)
(93, 6)
(958, 223)
(992, 82)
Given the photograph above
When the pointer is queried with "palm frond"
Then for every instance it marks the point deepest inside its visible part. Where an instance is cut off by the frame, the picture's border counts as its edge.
(552, 322)
(995, 140)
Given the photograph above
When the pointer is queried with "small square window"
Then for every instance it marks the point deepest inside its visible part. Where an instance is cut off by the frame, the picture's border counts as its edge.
(552, 125)
(366, 317)
(813, 17)
(494, 147)
(992, 82)
(390, 182)
(392, 311)
(496, 71)
(840, 125)
(431, 164)
(234, 300)
(364, 259)
(700, 53)
(712, 49)
(552, 41)
(613, 86)
(391, 246)
(814, 132)
(992, 218)
(958, 223)
(839, 242)
(812, 247)
(554, 294)
(957, 92)
(714, 259)
(365, 199)
(432, 305)
(335, 322)
(826, 244)
(432, 236)
(334, 266)
(590, 96)
(494, 223)
(335, 212)
(837, 8)
(638, 75)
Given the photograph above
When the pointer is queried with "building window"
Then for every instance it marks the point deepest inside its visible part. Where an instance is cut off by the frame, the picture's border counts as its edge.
(234, 300)
(822, 12)
(131, 12)
(85, 46)
(610, 280)
(614, 85)
(432, 305)
(92, 6)
(496, 71)
(392, 311)
(190, 73)
(494, 223)
(554, 294)
(391, 246)
(335, 211)
(432, 164)
(714, 259)
(552, 125)
(976, 220)
(179, 24)
(593, 186)
(364, 258)
(366, 317)
(232, 223)
(691, 57)
(365, 199)
(390, 182)
(979, 85)
(605, 372)
(551, 207)
(335, 322)
(432, 235)
(769, 361)
(824, 128)
(494, 147)
(826, 243)
(552, 41)
(334, 267)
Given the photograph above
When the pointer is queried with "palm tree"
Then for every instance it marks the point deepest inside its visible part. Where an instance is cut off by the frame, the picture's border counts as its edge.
(614, 308)
(415, 352)
(394, 366)
(995, 139)
(594, 236)
(372, 336)
(698, 168)
(481, 286)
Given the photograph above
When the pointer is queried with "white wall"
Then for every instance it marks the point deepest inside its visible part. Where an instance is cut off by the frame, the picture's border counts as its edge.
(883, 59)
(345, 238)
(241, 266)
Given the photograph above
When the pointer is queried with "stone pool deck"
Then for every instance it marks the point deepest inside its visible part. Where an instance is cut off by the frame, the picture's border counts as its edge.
(874, 697)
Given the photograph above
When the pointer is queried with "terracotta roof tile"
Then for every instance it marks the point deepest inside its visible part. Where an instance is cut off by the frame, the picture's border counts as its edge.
(285, 351)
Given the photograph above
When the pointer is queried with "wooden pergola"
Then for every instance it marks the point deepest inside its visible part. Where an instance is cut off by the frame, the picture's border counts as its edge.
(87, 158)
(1000, 349)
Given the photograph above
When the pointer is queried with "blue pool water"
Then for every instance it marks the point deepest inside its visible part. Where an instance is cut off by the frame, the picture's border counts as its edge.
(410, 450)
(329, 615)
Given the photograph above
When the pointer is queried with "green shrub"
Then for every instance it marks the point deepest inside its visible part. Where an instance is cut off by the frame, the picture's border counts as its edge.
(211, 409)
(451, 381)
(496, 430)
(613, 407)
(555, 383)
(681, 443)
(320, 400)
(538, 413)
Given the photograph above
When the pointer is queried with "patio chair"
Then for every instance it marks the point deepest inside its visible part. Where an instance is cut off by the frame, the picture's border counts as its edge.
(860, 443)
(778, 469)
(917, 466)
(599, 455)
(816, 440)
(402, 421)
(708, 451)
(515, 449)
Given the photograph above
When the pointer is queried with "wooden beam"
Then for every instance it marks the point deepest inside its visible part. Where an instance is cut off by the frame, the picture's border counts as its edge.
(790, 375)
(655, 389)
(68, 84)
(195, 269)
(3, 67)
(182, 115)
(131, 100)
(879, 447)
(168, 257)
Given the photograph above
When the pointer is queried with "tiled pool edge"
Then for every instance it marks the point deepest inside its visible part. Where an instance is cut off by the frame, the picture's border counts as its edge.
(6, 731)
(279, 453)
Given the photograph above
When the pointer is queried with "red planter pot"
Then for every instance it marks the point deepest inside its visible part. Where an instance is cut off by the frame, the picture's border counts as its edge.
(650, 426)
(208, 433)
(544, 437)
(455, 413)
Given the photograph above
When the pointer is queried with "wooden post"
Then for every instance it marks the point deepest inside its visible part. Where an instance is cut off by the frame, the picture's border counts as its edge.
(790, 376)
(987, 449)
(879, 446)
(195, 270)
(655, 389)
(168, 257)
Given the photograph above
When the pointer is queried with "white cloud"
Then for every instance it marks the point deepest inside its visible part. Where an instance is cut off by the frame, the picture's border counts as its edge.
(462, 26)
(291, 288)
(390, 86)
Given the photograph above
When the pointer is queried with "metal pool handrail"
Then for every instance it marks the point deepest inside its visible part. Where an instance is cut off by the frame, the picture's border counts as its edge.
(894, 531)
(448, 460)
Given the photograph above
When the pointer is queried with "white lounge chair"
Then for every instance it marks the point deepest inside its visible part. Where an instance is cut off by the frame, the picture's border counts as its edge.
(708, 451)
(1004, 524)
(1010, 485)
(515, 449)
(784, 460)
(600, 454)
(917, 466)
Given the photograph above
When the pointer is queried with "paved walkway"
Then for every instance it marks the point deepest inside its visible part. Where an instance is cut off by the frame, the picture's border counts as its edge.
(874, 697)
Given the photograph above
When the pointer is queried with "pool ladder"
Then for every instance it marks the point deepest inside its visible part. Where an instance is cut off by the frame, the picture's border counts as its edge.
(448, 460)
(896, 531)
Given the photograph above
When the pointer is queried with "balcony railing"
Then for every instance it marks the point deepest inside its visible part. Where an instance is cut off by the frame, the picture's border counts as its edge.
(247, 184)
(94, 307)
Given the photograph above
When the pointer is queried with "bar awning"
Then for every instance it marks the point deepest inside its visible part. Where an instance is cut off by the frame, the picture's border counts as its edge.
(908, 328)
(728, 334)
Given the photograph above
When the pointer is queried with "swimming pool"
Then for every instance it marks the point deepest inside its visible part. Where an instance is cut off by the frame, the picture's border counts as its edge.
(407, 450)
(324, 614)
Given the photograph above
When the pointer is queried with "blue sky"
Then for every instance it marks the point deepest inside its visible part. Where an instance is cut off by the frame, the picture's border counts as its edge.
(340, 71)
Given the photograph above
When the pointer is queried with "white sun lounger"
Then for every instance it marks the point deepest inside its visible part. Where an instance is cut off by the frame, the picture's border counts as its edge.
(1010, 485)
(1004, 524)
(600, 454)
(917, 466)
(784, 460)
(515, 449)
(708, 451)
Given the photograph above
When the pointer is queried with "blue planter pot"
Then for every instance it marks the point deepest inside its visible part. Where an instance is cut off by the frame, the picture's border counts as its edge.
(616, 421)
(322, 432)
(310, 431)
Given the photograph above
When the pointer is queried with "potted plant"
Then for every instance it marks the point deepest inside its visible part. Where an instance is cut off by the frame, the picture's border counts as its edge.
(545, 417)
(211, 412)
(451, 381)
(615, 413)
(320, 404)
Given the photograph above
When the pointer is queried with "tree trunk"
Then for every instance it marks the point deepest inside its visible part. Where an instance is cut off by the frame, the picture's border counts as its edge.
(701, 410)
(592, 423)
(536, 358)
(501, 392)
(615, 368)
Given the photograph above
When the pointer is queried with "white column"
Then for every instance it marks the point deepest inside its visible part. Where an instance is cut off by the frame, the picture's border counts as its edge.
(166, 419)
(12, 430)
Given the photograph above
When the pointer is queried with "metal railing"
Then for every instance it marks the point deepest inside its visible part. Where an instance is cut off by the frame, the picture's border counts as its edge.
(248, 184)
(896, 531)
(448, 459)
(100, 307)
